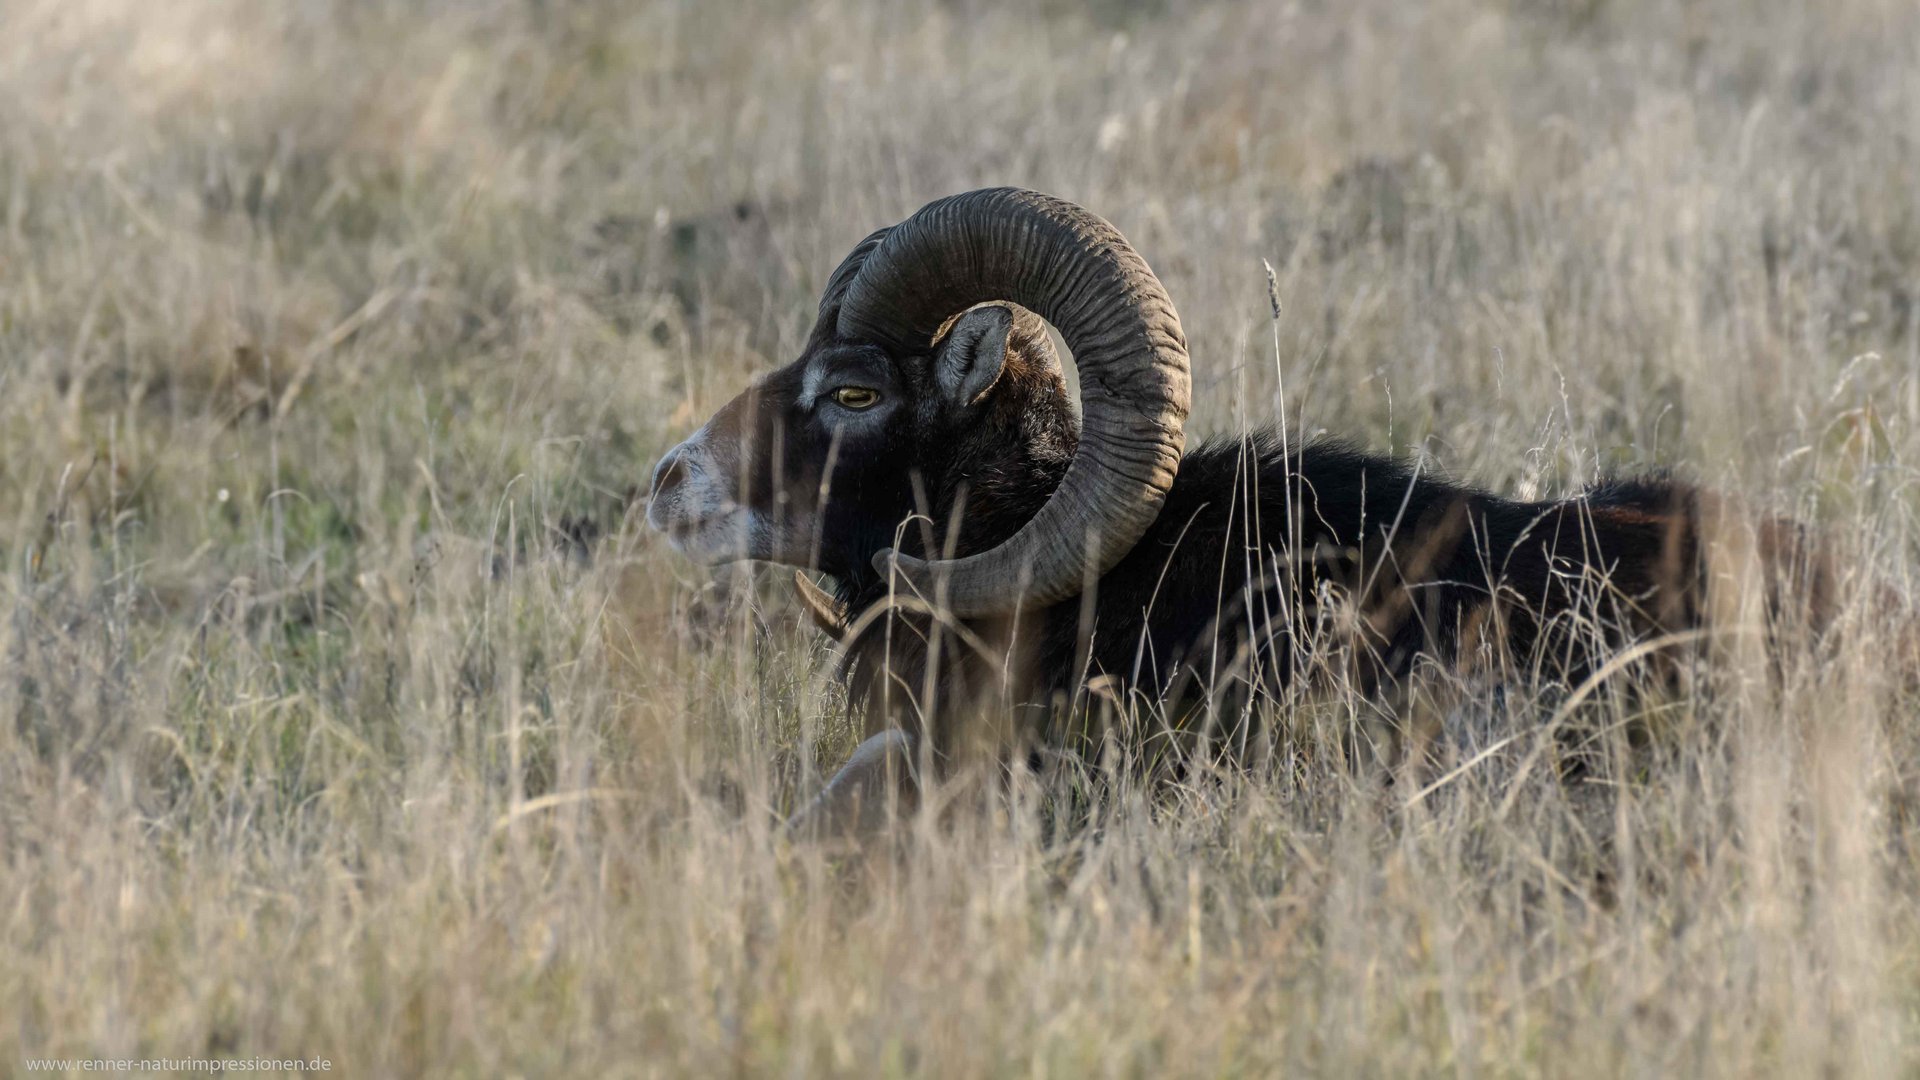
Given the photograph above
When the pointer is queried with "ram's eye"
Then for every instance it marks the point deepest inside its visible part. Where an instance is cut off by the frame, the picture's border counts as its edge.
(856, 397)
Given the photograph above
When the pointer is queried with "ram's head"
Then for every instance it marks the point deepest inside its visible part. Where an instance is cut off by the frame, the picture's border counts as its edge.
(928, 375)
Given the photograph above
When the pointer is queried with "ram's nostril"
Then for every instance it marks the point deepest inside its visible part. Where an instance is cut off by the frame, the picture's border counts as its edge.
(667, 475)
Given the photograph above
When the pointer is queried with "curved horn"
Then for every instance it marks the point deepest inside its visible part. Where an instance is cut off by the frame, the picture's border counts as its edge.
(843, 276)
(1076, 271)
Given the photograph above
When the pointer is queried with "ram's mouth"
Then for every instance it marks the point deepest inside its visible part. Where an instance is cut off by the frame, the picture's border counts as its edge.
(694, 522)
(670, 513)
(712, 537)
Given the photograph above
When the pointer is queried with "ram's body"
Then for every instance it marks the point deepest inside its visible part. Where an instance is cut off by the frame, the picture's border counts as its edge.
(1040, 554)
(1259, 558)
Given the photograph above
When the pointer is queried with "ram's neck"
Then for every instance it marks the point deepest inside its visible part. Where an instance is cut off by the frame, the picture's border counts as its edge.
(985, 510)
(986, 485)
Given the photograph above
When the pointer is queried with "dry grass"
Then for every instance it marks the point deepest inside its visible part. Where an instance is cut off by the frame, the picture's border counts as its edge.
(346, 709)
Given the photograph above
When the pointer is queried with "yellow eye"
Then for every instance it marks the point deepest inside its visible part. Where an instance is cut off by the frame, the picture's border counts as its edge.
(856, 397)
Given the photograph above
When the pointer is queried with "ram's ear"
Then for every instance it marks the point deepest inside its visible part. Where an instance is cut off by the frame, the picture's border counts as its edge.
(969, 359)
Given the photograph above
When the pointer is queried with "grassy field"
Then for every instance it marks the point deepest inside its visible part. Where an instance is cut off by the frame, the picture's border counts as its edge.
(349, 710)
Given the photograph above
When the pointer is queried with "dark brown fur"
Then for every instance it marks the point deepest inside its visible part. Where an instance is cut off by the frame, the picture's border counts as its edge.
(1225, 595)
(1262, 557)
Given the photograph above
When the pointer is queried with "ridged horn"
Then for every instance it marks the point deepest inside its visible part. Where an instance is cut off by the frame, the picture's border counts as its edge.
(1076, 271)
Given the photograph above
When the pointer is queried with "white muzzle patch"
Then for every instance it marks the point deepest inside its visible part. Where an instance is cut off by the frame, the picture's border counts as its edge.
(692, 502)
